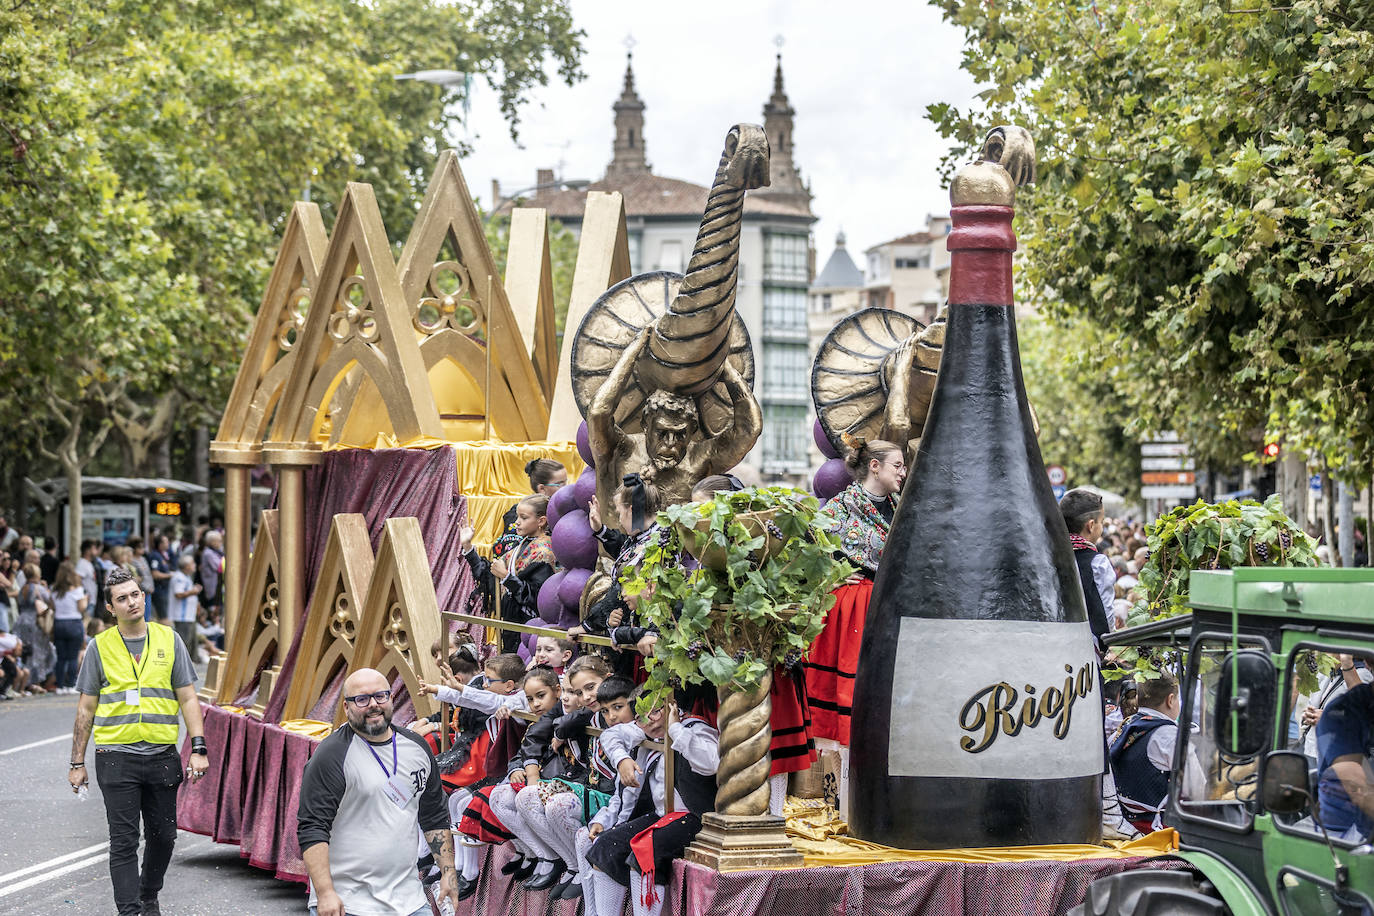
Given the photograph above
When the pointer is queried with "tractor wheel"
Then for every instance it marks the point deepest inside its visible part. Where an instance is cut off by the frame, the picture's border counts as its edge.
(1148, 892)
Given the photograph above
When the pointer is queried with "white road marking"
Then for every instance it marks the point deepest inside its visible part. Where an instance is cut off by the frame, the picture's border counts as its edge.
(16, 875)
(55, 873)
(25, 747)
(6, 888)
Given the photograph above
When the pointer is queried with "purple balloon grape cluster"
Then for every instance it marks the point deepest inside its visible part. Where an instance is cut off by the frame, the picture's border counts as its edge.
(574, 544)
(832, 476)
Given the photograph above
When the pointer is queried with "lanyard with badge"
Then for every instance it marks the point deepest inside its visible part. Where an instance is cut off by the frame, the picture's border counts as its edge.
(131, 697)
(397, 788)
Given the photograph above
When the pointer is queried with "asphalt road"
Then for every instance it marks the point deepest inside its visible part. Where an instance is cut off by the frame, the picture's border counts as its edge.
(54, 847)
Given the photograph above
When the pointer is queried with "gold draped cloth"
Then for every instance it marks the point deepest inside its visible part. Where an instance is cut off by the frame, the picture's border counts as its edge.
(817, 832)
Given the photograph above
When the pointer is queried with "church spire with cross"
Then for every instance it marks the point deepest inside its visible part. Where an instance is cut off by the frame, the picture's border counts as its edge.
(628, 157)
(785, 180)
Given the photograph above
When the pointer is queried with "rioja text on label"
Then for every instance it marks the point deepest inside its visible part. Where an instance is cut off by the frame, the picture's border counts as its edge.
(995, 699)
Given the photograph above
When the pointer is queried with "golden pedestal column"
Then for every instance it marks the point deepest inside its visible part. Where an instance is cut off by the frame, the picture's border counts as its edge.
(742, 834)
(238, 461)
(289, 461)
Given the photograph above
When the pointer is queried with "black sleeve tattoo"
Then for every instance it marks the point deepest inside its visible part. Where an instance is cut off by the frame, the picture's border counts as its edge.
(441, 845)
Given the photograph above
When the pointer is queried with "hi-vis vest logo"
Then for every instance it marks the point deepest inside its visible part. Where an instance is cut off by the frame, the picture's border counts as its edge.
(1023, 705)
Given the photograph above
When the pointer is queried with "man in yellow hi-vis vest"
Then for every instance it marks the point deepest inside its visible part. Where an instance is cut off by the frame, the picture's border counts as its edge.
(134, 679)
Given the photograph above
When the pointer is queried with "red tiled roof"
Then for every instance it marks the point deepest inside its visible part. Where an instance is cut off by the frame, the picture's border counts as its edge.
(915, 238)
(653, 195)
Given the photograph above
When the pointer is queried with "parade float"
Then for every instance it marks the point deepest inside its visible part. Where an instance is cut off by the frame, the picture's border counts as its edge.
(396, 401)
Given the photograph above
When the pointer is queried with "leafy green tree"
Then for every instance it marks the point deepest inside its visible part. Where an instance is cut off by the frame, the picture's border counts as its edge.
(149, 154)
(1071, 369)
(1205, 198)
(562, 258)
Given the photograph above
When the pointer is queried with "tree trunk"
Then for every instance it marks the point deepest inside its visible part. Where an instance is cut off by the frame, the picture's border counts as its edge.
(1346, 526)
(1291, 480)
(1328, 512)
(200, 458)
(1369, 526)
(73, 456)
(71, 469)
(143, 430)
(162, 458)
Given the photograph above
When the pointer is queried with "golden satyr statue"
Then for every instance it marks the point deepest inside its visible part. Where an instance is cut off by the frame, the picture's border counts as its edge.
(662, 366)
(875, 372)
(874, 375)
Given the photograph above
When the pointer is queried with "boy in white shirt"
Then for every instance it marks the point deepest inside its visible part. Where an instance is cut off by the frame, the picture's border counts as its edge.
(497, 697)
(641, 826)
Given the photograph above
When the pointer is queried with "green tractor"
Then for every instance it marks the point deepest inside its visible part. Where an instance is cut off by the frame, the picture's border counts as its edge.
(1267, 823)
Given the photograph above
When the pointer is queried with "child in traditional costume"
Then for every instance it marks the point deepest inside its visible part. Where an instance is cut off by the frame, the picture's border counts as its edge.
(492, 696)
(521, 570)
(614, 615)
(643, 834)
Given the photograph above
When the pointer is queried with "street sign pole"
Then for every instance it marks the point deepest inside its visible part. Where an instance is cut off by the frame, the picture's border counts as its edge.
(1167, 472)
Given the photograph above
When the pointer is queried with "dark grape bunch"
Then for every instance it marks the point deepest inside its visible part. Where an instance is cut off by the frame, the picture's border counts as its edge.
(1312, 662)
(1262, 551)
(1285, 539)
(792, 659)
(774, 530)
(740, 655)
(694, 649)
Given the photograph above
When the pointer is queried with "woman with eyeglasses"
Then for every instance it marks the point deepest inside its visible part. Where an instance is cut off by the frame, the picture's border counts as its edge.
(547, 477)
(860, 517)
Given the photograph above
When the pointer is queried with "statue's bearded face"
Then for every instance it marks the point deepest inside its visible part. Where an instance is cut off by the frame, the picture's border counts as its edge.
(670, 422)
(666, 439)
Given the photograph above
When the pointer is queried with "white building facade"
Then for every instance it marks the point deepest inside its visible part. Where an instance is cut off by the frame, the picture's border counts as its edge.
(662, 218)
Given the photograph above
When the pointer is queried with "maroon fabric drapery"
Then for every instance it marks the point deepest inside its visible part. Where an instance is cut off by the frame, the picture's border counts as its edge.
(911, 888)
(381, 484)
(250, 796)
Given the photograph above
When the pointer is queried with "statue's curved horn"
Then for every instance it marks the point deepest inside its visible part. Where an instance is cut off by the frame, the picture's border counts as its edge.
(689, 345)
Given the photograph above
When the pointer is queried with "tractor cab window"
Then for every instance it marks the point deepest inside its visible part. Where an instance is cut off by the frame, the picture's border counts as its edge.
(1331, 721)
(1209, 782)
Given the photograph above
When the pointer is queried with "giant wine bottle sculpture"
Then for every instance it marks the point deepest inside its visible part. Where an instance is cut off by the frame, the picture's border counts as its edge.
(977, 713)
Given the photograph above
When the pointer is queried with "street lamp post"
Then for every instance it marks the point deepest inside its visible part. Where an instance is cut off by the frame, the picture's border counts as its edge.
(446, 78)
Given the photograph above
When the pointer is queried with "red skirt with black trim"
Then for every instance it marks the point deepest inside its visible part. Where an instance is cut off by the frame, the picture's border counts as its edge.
(793, 748)
(480, 822)
(833, 662)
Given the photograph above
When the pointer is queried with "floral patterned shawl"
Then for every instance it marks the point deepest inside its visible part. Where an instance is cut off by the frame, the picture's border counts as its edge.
(538, 549)
(858, 524)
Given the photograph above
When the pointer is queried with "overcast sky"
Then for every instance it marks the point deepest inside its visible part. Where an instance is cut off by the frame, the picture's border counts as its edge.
(859, 74)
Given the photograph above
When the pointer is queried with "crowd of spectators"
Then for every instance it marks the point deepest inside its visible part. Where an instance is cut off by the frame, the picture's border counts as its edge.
(52, 604)
(1123, 544)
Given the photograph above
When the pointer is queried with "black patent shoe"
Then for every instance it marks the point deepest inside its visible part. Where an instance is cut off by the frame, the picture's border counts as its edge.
(513, 866)
(549, 880)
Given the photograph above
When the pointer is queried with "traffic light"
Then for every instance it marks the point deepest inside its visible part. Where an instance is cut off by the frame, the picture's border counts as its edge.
(1266, 482)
